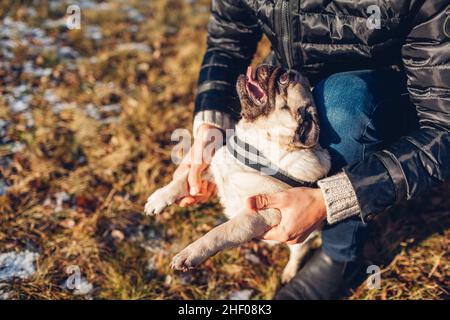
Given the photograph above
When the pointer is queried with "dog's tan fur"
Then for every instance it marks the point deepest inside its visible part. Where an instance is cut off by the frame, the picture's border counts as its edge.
(285, 129)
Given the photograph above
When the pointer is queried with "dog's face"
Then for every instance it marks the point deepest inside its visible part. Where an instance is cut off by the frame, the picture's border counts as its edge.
(280, 102)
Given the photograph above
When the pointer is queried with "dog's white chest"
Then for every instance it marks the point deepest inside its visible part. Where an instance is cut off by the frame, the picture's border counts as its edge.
(236, 182)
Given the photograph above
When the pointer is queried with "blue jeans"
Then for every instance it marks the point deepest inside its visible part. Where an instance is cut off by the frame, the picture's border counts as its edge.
(360, 112)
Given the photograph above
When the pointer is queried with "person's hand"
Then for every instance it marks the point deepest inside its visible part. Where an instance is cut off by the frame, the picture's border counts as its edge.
(207, 141)
(302, 211)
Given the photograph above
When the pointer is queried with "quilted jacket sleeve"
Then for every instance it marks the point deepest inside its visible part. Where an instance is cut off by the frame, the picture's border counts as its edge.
(422, 159)
(233, 34)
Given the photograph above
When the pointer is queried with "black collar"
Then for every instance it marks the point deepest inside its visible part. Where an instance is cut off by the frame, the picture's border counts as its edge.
(255, 159)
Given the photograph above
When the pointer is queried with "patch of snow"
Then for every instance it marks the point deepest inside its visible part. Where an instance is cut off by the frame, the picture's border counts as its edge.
(133, 46)
(5, 162)
(134, 14)
(54, 4)
(68, 53)
(110, 120)
(3, 187)
(47, 202)
(37, 72)
(29, 118)
(87, 4)
(104, 85)
(241, 294)
(60, 198)
(93, 60)
(31, 12)
(4, 295)
(17, 147)
(13, 27)
(50, 96)
(36, 32)
(253, 258)
(17, 265)
(92, 111)
(54, 24)
(104, 114)
(46, 42)
(19, 98)
(56, 201)
(104, 6)
(3, 128)
(94, 33)
(19, 90)
(7, 48)
(151, 264)
(168, 280)
(19, 104)
(60, 106)
(152, 241)
(111, 108)
(133, 28)
(14, 33)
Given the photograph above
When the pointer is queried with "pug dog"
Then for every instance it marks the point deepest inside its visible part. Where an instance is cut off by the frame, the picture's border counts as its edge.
(279, 118)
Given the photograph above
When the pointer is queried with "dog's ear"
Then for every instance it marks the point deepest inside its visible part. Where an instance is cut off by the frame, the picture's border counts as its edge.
(305, 82)
(307, 134)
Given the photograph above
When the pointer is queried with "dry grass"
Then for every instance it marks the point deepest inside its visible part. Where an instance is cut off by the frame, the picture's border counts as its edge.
(109, 165)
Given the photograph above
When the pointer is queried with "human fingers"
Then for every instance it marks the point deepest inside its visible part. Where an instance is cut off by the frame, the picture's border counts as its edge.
(265, 201)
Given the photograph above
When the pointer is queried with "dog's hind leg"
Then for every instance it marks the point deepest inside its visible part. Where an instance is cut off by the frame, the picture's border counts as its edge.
(297, 252)
(242, 228)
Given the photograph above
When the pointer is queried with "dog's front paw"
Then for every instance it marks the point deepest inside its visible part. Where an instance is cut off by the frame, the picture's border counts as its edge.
(185, 260)
(158, 201)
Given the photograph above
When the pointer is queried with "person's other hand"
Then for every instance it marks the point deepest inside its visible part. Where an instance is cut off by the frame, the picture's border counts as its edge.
(302, 210)
(207, 141)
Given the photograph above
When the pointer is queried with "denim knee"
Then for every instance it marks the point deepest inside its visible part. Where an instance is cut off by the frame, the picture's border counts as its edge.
(349, 105)
(357, 113)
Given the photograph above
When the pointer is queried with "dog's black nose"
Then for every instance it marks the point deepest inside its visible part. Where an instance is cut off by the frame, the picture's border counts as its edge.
(302, 113)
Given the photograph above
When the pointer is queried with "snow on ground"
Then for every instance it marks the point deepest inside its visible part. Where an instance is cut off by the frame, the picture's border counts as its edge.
(133, 46)
(241, 294)
(3, 187)
(17, 265)
(253, 258)
(20, 96)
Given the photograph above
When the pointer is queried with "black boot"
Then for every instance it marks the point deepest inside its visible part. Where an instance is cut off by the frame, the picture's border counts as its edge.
(323, 279)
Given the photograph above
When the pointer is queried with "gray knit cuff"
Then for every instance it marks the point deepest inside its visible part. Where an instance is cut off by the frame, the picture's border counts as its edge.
(212, 117)
(340, 197)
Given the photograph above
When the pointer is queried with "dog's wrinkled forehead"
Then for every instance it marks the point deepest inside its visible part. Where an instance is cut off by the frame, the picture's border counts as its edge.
(295, 89)
(265, 73)
(260, 91)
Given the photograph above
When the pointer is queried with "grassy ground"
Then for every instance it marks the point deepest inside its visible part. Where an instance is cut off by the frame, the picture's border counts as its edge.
(90, 142)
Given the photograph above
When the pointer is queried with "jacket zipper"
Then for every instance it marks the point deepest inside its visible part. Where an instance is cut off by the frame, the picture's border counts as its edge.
(285, 33)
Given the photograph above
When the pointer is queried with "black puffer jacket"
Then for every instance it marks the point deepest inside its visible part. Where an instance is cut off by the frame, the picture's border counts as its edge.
(320, 37)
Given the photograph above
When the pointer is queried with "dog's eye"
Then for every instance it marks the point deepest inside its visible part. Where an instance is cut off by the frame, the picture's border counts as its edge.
(285, 108)
(284, 78)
